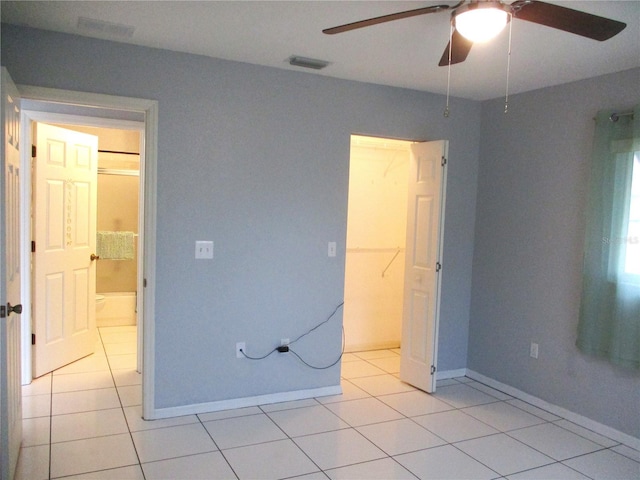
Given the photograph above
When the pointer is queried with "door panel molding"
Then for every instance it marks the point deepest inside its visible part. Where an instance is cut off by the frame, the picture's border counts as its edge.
(425, 225)
(64, 222)
(10, 278)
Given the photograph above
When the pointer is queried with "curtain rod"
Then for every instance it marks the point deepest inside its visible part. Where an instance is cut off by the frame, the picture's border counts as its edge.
(614, 117)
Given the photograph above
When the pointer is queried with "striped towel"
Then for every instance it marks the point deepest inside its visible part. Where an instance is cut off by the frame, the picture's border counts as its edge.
(115, 245)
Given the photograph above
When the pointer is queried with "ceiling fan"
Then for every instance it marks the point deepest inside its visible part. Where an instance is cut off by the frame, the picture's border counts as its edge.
(480, 20)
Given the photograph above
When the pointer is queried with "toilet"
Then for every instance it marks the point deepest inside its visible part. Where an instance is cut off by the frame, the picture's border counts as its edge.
(100, 302)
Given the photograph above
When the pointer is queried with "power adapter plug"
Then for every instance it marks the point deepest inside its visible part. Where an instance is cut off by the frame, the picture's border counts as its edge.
(283, 348)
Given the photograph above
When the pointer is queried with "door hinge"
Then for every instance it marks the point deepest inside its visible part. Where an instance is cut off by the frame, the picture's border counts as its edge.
(444, 161)
(3, 311)
(33, 339)
(33, 151)
(438, 266)
(433, 369)
(33, 246)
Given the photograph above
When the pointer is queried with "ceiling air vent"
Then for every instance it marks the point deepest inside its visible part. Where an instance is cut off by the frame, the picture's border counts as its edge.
(107, 29)
(307, 62)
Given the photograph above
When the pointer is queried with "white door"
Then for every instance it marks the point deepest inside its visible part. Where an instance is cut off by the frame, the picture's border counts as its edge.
(64, 231)
(423, 264)
(10, 308)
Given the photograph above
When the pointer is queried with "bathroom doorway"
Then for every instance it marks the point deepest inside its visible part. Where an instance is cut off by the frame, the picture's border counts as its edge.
(70, 107)
(118, 278)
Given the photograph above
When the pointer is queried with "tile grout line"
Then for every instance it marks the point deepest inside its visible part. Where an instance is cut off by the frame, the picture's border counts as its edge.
(300, 448)
(291, 439)
(218, 447)
(461, 410)
(50, 423)
(504, 401)
(133, 443)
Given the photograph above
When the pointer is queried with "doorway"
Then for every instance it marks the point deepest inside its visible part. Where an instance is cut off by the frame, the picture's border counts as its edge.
(101, 291)
(375, 245)
(397, 192)
(39, 104)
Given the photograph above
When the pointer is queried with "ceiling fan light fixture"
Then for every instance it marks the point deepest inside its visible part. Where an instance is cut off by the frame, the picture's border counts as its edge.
(481, 21)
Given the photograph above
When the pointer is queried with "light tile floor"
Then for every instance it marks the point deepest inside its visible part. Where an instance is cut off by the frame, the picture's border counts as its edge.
(83, 421)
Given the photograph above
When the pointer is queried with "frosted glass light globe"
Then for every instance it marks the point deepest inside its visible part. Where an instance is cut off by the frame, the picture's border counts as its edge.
(481, 24)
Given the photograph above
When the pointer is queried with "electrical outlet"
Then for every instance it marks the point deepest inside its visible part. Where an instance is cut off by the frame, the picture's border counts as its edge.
(240, 346)
(204, 249)
(533, 351)
(331, 249)
(284, 341)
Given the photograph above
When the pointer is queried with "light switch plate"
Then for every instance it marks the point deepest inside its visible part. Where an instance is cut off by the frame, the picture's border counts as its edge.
(533, 351)
(204, 249)
(331, 250)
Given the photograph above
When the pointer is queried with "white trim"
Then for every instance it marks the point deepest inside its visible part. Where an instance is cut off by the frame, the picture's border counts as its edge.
(148, 192)
(149, 181)
(127, 104)
(25, 250)
(244, 402)
(71, 119)
(445, 375)
(585, 422)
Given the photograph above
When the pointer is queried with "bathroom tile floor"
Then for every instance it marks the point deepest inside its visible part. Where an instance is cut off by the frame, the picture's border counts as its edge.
(83, 421)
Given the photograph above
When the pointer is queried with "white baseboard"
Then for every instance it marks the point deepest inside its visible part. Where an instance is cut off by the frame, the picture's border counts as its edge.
(159, 413)
(585, 422)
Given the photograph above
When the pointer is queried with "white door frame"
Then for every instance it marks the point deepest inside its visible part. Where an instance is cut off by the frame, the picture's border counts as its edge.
(148, 195)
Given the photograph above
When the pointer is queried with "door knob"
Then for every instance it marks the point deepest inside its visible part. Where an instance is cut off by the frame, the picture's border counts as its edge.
(14, 308)
(94, 257)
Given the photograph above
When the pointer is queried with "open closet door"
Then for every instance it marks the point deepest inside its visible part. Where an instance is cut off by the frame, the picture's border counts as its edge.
(64, 262)
(423, 264)
(10, 307)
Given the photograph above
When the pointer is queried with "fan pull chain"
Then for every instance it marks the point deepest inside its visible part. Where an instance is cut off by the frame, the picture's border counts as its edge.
(446, 108)
(506, 95)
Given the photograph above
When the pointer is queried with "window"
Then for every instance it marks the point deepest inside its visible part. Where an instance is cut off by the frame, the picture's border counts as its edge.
(609, 321)
(624, 253)
(632, 245)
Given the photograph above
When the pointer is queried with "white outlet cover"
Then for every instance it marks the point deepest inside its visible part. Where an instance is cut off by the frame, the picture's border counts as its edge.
(204, 249)
(331, 249)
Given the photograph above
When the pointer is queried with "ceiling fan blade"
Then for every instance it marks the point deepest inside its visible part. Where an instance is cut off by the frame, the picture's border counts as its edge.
(459, 52)
(385, 18)
(567, 19)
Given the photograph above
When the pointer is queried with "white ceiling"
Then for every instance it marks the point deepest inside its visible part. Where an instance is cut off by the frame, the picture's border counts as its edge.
(404, 53)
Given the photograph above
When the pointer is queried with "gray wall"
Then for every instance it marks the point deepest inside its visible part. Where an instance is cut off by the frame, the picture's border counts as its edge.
(257, 160)
(530, 224)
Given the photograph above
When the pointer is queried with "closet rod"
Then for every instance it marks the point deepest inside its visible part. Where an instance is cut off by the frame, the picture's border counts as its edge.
(135, 234)
(374, 250)
(113, 171)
